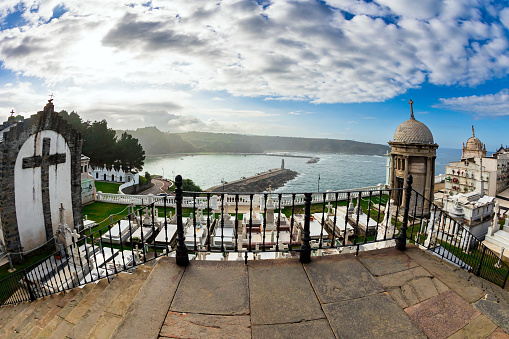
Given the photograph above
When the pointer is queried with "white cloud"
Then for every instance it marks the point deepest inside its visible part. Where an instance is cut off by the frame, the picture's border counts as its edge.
(342, 51)
(490, 105)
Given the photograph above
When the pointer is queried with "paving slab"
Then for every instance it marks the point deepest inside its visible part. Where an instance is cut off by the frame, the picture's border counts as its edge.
(146, 314)
(497, 309)
(280, 292)
(386, 261)
(189, 325)
(454, 277)
(374, 316)
(206, 287)
(499, 334)
(341, 277)
(319, 328)
(442, 315)
(480, 327)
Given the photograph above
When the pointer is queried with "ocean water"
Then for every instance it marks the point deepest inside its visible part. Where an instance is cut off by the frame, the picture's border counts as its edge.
(336, 171)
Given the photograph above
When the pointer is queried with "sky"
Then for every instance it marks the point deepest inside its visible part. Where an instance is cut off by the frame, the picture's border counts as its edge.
(339, 69)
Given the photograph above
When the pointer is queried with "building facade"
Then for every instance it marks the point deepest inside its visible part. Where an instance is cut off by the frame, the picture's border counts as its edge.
(476, 172)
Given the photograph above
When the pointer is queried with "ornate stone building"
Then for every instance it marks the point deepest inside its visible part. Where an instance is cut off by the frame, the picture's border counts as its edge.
(413, 151)
(474, 148)
(39, 172)
(477, 172)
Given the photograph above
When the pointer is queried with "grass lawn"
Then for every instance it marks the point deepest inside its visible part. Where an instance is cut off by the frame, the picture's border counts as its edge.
(106, 187)
(29, 261)
(100, 212)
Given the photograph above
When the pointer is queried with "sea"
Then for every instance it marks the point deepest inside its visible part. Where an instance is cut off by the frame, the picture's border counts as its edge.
(331, 172)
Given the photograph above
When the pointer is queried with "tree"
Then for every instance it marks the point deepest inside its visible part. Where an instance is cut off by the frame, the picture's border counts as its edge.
(130, 153)
(99, 144)
(189, 186)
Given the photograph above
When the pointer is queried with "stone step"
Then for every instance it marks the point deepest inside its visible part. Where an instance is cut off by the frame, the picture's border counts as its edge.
(147, 312)
(35, 316)
(112, 316)
(57, 326)
(11, 310)
(16, 319)
(34, 327)
(90, 318)
(50, 324)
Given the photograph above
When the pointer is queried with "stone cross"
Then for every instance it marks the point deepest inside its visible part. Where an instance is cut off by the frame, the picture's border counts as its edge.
(329, 206)
(411, 109)
(44, 161)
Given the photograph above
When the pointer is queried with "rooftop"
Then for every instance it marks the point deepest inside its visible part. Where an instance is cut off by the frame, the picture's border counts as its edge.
(381, 293)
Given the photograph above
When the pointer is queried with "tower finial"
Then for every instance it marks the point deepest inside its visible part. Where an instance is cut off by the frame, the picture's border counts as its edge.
(12, 113)
(473, 132)
(411, 109)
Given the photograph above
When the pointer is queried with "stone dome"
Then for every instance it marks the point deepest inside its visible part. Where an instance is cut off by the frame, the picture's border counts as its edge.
(474, 144)
(413, 131)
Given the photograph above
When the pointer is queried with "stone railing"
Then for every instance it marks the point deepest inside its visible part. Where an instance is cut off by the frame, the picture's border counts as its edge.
(243, 200)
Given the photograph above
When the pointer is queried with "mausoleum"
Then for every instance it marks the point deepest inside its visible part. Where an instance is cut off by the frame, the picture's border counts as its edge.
(40, 160)
(413, 151)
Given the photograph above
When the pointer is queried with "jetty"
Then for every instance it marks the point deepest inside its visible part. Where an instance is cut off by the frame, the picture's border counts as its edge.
(260, 182)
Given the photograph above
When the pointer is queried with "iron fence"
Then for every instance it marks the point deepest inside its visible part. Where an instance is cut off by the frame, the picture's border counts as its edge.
(255, 226)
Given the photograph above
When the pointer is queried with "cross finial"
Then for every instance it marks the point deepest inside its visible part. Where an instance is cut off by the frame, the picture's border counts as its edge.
(12, 113)
(51, 97)
(473, 132)
(411, 109)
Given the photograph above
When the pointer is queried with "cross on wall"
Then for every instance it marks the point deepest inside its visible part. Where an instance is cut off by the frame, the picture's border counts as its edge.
(44, 161)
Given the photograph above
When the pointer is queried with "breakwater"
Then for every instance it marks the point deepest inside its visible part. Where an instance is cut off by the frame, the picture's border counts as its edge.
(257, 183)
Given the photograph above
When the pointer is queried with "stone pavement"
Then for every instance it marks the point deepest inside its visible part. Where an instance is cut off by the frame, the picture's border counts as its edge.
(377, 294)
(382, 293)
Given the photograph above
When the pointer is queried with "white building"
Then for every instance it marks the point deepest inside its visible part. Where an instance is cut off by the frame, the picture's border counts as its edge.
(472, 211)
(477, 172)
(111, 174)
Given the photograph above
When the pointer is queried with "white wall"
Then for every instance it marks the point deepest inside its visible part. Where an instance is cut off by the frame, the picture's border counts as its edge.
(28, 193)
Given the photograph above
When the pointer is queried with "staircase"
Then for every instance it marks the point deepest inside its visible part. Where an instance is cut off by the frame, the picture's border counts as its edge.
(96, 310)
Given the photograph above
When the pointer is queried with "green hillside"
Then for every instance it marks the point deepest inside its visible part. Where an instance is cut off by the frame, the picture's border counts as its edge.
(155, 142)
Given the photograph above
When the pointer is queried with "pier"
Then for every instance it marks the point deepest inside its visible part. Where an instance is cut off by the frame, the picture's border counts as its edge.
(256, 183)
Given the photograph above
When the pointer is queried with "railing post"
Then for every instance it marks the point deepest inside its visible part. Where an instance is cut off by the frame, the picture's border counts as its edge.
(478, 270)
(305, 248)
(181, 255)
(29, 288)
(401, 238)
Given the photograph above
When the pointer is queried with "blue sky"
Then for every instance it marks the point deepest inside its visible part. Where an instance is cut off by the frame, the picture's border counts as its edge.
(342, 69)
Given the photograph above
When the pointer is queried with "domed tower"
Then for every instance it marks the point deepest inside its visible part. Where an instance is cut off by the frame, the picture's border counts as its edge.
(474, 148)
(413, 151)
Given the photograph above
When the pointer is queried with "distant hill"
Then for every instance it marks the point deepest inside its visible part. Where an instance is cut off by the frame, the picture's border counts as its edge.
(155, 142)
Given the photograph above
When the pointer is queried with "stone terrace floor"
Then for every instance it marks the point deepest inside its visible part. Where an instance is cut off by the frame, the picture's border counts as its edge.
(378, 294)
(382, 293)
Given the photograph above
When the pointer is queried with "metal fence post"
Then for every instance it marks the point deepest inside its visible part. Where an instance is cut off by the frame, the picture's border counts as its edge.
(29, 288)
(401, 238)
(478, 270)
(305, 248)
(181, 255)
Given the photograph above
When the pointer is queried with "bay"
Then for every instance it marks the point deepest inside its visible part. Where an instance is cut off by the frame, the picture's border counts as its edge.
(336, 171)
